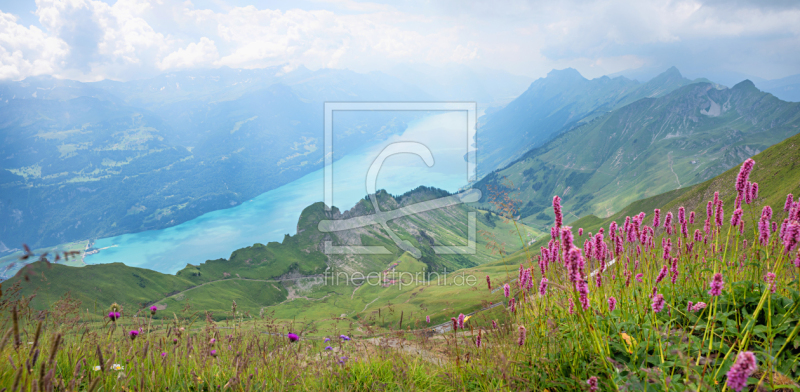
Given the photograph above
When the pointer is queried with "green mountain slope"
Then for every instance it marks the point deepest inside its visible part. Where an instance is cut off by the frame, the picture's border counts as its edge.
(646, 148)
(555, 104)
(777, 172)
(264, 275)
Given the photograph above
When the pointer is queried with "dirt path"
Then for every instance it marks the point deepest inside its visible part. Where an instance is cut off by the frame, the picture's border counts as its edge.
(669, 155)
(228, 279)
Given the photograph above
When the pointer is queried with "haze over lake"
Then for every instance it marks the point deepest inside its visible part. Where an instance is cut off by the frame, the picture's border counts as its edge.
(273, 214)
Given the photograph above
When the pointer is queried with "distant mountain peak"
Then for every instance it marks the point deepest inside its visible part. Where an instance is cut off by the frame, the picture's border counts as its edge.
(745, 85)
(670, 73)
(565, 74)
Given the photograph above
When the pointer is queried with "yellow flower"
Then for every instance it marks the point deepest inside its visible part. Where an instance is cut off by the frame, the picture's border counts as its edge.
(117, 366)
(466, 319)
(630, 342)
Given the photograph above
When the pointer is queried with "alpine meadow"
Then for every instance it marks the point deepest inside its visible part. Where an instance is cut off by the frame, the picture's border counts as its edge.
(241, 195)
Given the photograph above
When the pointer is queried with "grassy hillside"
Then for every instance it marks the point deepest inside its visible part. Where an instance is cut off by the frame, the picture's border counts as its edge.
(261, 275)
(777, 172)
(647, 148)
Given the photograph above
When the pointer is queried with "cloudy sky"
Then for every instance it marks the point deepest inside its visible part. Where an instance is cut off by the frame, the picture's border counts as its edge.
(129, 39)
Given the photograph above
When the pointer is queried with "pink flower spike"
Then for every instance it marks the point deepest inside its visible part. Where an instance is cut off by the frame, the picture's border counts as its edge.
(557, 211)
(506, 290)
(657, 303)
(743, 368)
(592, 381)
(744, 174)
(716, 285)
(612, 304)
(522, 333)
(543, 286)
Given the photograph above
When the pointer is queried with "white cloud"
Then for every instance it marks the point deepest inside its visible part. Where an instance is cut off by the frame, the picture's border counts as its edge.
(27, 51)
(199, 54)
(90, 39)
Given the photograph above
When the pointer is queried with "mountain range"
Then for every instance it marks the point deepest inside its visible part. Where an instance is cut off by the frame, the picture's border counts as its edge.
(556, 104)
(647, 147)
(91, 160)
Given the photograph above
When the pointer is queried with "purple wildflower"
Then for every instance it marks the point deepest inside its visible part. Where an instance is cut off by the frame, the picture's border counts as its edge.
(698, 306)
(327, 340)
(681, 215)
(461, 321)
(488, 282)
(506, 290)
(656, 217)
(543, 286)
(754, 191)
(153, 309)
(522, 333)
(163, 355)
(668, 220)
(716, 285)
(791, 237)
(592, 381)
(744, 366)
(744, 174)
(580, 231)
(571, 306)
(494, 324)
(789, 203)
(661, 275)
(133, 334)
(428, 319)
(674, 270)
(557, 211)
(689, 307)
(292, 337)
(770, 279)
(639, 277)
(736, 218)
(478, 339)
(213, 353)
(113, 316)
(344, 337)
(657, 303)
(583, 291)
(612, 304)
(720, 215)
(691, 218)
(567, 237)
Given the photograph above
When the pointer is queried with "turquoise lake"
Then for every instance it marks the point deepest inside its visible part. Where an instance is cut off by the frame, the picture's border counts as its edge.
(273, 214)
